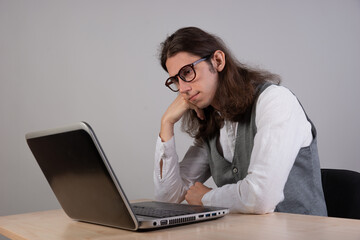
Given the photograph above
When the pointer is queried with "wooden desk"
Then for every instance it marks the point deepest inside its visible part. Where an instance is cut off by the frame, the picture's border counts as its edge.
(54, 225)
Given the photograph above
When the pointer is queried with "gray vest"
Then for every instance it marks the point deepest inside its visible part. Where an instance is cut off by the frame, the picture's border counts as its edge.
(303, 190)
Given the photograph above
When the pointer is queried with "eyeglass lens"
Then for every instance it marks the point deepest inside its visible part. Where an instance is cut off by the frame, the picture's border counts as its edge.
(172, 83)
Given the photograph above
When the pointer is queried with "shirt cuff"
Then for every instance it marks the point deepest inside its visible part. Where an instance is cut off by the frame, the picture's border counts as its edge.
(206, 199)
(165, 149)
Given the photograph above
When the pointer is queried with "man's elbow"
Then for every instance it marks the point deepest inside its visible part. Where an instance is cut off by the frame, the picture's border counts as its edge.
(264, 205)
(263, 209)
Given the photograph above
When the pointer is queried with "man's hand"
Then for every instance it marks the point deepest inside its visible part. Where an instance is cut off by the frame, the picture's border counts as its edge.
(195, 193)
(174, 113)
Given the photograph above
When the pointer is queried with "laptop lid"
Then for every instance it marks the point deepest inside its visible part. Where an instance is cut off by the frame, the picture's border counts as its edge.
(81, 177)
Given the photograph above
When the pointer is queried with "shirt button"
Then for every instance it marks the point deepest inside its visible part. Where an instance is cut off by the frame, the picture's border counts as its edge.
(235, 170)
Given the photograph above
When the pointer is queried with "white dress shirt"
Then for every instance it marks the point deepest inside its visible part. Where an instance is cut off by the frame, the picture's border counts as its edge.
(282, 129)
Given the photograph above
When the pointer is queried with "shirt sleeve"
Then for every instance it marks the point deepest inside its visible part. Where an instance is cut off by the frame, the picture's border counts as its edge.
(176, 178)
(282, 129)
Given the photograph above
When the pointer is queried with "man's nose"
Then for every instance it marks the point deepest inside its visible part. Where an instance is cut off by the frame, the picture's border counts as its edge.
(184, 86)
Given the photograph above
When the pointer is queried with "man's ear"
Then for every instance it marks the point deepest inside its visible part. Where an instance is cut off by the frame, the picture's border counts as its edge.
(219, 60)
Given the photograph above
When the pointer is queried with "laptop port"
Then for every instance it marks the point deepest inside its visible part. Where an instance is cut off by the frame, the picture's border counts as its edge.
(163, 222)
(214, 214)
(207, 215)
(201, 216)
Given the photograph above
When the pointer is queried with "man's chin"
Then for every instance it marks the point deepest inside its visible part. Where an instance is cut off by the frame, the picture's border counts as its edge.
(201, 105)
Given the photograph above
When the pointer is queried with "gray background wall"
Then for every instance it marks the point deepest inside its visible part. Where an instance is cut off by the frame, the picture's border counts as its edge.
(68, 61)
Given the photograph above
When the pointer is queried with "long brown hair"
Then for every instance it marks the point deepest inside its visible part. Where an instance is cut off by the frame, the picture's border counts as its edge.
(237, 82)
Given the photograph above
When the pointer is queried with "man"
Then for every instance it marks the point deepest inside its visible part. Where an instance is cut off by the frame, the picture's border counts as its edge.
(250, 134)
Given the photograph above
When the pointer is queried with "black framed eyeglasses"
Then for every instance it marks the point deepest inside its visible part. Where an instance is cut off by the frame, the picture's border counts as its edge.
(186, 73)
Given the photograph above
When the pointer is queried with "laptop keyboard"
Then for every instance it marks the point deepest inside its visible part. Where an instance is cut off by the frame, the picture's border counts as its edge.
(163, 210)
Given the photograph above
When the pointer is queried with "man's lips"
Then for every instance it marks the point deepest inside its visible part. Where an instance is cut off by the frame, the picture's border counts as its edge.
(193, 97)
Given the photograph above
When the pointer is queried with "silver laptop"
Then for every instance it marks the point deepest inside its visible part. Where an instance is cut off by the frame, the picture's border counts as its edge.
(86, 187)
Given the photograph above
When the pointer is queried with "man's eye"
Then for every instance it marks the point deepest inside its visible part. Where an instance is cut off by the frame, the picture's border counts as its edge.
(187, 72)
